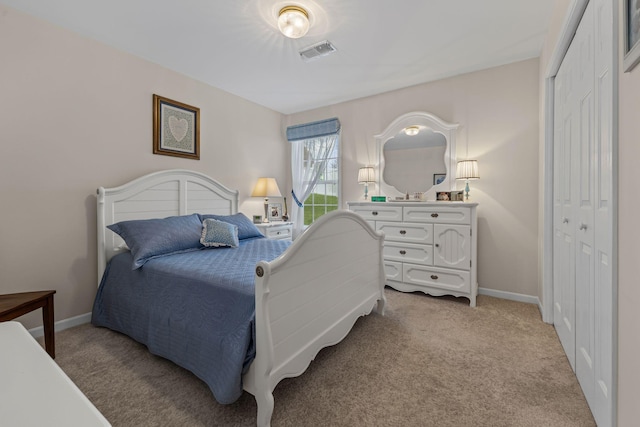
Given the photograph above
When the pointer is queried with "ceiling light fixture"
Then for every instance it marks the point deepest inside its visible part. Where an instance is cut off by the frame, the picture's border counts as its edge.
(293, 21)
(412, 130)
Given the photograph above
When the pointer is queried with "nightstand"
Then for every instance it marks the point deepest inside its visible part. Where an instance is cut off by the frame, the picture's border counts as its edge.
(277, 230)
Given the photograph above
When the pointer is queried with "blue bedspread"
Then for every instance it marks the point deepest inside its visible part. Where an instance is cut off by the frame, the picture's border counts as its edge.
(196, 309)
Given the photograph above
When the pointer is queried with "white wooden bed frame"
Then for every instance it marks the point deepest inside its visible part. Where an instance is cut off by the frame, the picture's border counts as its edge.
(307, 299)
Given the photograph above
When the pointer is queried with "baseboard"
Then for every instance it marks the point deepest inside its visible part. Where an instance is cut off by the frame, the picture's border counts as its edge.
(61, 325)
(529, 299)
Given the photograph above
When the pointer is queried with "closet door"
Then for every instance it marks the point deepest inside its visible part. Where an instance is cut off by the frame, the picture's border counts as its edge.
(584, 177)
(594, 341)
(563, 215)
(583, 218)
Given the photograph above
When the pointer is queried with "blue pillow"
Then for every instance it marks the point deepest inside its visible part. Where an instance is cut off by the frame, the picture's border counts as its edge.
(246, 229)
(218, 233)
(150, 238)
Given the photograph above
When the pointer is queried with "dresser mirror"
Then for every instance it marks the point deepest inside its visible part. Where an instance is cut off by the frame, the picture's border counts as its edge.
(417, 155)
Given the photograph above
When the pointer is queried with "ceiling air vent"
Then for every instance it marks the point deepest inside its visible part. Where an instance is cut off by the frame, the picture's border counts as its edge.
(317, 50)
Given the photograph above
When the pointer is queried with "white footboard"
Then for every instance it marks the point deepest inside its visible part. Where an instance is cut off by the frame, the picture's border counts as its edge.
(310, 298)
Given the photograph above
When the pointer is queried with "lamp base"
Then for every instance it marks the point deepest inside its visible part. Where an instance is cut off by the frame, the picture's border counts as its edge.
(266, 210)
(466, 192)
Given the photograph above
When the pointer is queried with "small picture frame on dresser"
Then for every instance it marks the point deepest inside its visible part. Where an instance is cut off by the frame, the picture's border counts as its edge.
(257, 219)
(457, 196)
(275, 211)
(443, 196)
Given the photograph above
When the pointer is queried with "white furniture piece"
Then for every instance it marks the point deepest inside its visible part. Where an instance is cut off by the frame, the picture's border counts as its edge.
(276, 230)
(306, 299)
(429, 247)
(35, 391)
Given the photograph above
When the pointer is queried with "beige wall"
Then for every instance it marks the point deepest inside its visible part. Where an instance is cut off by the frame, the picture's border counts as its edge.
(628, 247)
(76, 115)
(497, 110)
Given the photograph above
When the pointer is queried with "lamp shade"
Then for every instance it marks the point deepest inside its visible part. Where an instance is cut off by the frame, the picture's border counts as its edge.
(366, 175)
(467, 169)
(266, 187)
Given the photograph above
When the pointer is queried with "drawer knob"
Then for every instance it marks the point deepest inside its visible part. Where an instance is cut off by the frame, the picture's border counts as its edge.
(434, 277)
(374, 213)
(403, 252)
(437, 245)
(434, 215)
(278, 233)
(403, 231)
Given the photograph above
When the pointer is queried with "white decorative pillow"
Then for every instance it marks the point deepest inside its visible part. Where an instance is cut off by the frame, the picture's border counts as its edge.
(218, 233)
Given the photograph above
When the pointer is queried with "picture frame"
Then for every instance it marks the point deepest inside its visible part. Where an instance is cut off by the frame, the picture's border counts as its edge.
(457, 196)
(438, 178)
(275, 211)
(257, 219)
(443, 196)
(631, 34)
(176, 128)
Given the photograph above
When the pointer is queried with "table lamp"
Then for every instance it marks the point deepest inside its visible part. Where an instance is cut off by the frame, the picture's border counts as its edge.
(266, 187)
(366, 176)
(467, 169)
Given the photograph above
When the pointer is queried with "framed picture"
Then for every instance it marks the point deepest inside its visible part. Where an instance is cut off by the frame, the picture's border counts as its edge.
(176, 128)
(631, 34)
(275, 211)
(443, 196)
(438, 178)
(457, 196)
(257, 219)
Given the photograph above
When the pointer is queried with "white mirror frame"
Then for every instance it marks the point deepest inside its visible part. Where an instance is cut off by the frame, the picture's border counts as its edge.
(448, 130)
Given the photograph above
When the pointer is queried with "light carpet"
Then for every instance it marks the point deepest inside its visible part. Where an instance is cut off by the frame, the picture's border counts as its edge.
(427, 362)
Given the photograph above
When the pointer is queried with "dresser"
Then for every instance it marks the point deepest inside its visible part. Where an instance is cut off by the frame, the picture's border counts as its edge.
(429, 247)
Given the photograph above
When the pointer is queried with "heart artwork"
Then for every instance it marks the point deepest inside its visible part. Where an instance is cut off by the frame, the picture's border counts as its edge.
(178, 127)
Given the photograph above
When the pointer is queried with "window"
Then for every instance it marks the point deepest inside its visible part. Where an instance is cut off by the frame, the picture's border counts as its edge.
(315, 171)
(325, 196)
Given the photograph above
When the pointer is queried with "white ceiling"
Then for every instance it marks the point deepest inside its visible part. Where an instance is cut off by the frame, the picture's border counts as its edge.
(382, 44)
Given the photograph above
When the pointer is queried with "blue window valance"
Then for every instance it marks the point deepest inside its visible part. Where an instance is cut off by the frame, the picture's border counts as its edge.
(313, 130)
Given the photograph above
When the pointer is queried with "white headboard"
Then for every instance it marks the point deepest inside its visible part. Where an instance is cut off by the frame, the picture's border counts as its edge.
(158, 195)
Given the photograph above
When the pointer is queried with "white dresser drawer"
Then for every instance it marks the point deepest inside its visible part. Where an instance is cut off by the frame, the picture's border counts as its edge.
(459, 281)
(437, 214)
(381, 212)
(420, 233)
(273, 230)
(393, 270)
(407, 252)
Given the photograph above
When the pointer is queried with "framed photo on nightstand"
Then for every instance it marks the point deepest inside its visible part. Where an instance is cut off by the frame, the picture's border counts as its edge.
(275, 211)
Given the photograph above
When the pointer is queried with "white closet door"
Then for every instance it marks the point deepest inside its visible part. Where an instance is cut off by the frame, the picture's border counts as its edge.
(563, 219)
(583, 218)
(584, 177)
(595, 372)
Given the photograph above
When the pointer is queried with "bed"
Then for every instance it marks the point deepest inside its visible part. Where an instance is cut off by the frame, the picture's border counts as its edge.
(284, 303)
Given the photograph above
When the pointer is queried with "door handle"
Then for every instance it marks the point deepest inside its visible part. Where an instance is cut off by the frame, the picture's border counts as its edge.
(583, 226)
(403, 252)
(434, 215)
(434, 277)
(374, 213)
(437, 245)
(565, 220)
(403, 232)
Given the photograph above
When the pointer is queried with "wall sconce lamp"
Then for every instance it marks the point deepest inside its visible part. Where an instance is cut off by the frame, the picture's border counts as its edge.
(467, 169)
(293, 21)
(366, 176)
(266, 187)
